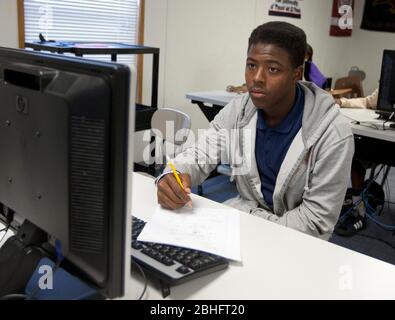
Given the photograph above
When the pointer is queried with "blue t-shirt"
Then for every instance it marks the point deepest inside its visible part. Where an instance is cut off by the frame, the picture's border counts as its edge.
(272, 144)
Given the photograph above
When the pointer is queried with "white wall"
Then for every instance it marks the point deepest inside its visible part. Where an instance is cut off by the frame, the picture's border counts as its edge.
(8, 23)
(315, 21)
(365, 50)
(203, 45)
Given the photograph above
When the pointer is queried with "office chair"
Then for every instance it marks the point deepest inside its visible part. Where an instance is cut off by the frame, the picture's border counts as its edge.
(180, 124)
(169, 126)
(354, 83)
(356, 72)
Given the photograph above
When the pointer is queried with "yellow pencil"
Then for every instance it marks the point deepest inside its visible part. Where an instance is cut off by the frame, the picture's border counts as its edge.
(175, 174)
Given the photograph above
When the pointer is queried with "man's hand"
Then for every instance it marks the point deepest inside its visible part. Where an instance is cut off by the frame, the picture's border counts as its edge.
(171, 195)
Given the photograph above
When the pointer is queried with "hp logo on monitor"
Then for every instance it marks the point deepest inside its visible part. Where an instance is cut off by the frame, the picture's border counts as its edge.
(22, 104)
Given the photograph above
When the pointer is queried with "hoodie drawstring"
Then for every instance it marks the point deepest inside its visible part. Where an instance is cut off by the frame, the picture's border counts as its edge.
(309, 161)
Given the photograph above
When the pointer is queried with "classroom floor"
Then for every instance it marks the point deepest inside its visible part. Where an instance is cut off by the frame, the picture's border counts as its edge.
(373, 241)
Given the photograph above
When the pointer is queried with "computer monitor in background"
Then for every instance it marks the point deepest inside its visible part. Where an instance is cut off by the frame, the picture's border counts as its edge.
(64, 127)
(386, 97)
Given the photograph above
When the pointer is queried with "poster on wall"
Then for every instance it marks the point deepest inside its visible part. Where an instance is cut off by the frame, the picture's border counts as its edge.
(285, 8)
(379, 15)
(342, 18)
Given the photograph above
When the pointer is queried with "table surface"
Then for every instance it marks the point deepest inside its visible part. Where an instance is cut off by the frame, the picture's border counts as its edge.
(278, 263)
(369, 125)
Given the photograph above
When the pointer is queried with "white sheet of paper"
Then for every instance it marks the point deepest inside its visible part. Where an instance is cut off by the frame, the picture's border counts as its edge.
(215, 231)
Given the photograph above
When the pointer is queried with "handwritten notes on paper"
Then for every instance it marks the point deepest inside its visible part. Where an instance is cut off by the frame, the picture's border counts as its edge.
(215, 231)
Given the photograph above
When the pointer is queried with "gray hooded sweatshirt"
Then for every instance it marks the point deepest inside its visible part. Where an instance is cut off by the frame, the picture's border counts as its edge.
(313, 177)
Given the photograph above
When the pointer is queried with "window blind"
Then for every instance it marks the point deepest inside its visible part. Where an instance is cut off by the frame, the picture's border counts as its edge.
(84, 20)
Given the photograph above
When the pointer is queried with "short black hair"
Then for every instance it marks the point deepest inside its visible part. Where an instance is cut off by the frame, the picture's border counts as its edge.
(284, 35)
(309, 52)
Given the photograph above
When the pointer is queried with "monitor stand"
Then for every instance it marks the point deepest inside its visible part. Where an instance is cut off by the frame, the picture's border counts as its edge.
(24, 264)
(51, 282)
(19, 257)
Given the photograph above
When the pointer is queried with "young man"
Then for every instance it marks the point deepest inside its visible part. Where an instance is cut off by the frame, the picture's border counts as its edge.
(289, 148)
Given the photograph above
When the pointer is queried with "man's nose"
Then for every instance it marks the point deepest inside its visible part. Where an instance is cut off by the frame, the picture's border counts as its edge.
(259, 75)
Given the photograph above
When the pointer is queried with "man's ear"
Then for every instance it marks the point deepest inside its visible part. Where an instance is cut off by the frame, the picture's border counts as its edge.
(298, 73)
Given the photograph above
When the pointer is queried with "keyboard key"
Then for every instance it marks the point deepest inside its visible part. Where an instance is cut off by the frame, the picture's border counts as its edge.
(195, 265)
(183, 270)
(167, 261)
(137, 245)
(192, 256)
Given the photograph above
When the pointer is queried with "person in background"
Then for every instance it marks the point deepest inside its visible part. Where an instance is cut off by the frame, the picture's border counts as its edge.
(289, 149)
(356, 221)
(368, 102)
(311, 71)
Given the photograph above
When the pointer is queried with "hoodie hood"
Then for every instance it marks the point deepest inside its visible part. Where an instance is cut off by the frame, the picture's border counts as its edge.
(319, 111)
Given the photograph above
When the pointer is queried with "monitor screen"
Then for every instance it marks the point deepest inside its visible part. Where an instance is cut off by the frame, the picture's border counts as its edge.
(64, 127)
(386, 97)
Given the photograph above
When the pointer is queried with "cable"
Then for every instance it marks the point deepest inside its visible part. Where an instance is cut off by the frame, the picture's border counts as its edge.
(385, 201)
(144, 278)
(387, 192)
(381, 224)
(372, 216)
(362, 195)
(371, 213)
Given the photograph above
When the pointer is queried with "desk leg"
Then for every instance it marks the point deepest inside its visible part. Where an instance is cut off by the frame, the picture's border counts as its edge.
(385, 175)
(155, 80)
(209, 112)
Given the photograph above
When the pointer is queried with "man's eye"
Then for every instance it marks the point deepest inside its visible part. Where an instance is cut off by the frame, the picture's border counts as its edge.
(273, 70)
(250, 66)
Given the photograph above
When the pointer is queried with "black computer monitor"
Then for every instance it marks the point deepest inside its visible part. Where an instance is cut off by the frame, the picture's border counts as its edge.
(64, 127)
(386, 97)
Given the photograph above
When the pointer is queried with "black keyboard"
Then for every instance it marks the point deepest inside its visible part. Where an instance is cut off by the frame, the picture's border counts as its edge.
(171, 264)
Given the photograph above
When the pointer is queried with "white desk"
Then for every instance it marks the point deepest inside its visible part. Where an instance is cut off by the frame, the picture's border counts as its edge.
(222, 98)
(217, 100)
(278, 263)
(366, 116)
